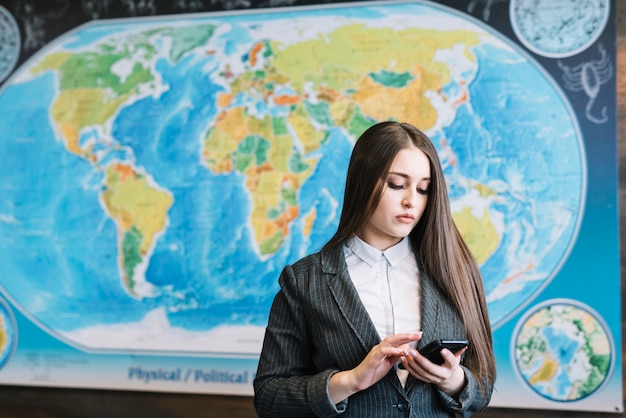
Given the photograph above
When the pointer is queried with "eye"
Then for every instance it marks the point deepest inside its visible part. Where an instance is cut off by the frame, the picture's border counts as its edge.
(394, 186)
(423, 191)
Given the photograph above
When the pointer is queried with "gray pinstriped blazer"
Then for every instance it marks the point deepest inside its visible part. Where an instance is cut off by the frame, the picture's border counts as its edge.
(318, 326)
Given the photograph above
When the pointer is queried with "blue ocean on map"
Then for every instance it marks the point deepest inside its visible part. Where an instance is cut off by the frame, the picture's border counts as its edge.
(506, 139)
(61, 250)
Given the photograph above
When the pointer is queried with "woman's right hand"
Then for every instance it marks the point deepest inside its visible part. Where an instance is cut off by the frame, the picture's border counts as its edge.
(381, 358)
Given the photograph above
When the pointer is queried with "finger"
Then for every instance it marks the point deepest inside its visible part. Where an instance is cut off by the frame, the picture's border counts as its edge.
(460, 352)
(417, 370)
(397, 340)
(392, 354)
(452, 358)
(423, 365)
(412, 362)
(423, 371)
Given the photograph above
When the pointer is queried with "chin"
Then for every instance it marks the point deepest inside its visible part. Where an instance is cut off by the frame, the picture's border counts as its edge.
(399, 237)
(404, 232)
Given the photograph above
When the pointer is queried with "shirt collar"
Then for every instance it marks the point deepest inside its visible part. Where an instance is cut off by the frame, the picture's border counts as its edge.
(371, 255)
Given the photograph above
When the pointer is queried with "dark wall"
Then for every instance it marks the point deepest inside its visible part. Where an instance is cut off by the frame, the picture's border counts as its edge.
(21, 402)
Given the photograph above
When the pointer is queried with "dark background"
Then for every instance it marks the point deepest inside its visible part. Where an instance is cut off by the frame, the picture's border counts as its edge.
(42, 402)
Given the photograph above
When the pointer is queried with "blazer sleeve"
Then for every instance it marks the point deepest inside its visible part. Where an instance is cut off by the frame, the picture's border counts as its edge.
(286, 383)
(471, 399)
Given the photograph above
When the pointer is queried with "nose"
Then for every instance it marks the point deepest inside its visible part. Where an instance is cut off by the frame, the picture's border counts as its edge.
(409, 200)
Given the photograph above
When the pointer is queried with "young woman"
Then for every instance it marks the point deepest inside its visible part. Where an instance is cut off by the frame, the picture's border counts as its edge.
(345, 327)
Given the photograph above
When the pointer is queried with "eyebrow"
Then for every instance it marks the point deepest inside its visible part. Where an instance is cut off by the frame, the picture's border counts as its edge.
(406, 176)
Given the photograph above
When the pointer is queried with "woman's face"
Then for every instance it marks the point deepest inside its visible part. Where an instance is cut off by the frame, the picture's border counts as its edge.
(403, 201)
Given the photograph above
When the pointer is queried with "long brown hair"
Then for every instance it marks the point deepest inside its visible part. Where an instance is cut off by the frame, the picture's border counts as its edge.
(439, 248)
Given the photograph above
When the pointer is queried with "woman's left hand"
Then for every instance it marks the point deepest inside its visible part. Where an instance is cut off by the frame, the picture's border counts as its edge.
(448, 376)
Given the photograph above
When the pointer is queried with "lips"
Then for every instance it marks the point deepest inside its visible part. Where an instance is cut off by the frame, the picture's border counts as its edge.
(406, 218)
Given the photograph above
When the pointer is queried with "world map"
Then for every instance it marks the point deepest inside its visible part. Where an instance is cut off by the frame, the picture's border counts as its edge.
(563, 351)
(158, 173)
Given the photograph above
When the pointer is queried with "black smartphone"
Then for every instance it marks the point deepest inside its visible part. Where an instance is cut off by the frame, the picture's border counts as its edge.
(432, 351)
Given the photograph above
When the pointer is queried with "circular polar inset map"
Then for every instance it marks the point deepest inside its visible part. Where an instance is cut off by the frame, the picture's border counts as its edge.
(9, 43)
(558, 28)
(563, 350)
(8, 334)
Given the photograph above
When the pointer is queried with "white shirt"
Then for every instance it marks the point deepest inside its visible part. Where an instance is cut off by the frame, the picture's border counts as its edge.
(388, 285)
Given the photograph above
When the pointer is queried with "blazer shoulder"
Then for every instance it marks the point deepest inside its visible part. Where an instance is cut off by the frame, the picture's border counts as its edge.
(328, 259)
(306, 263)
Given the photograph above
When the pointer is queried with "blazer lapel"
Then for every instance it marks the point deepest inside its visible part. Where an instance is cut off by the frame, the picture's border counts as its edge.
(429, 309)
(346, 296)
(429, 301)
